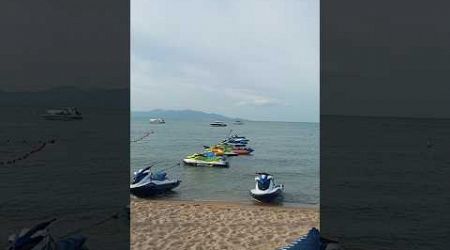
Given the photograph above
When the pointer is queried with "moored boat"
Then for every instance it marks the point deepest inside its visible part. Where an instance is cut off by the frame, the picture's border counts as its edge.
(218, 124)
(157, 121)
(64, 114)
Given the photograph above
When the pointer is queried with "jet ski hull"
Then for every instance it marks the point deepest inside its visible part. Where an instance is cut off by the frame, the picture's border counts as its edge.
(153, 188)
(266, 196)
(242, 151)
(193, 162)
(231, 153)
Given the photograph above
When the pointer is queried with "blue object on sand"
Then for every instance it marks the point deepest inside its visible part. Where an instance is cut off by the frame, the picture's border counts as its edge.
(311, 241)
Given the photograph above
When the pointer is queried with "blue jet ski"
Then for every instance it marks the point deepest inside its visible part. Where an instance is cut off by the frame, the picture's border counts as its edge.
(38, 238)
(312, 241)
(146, 183)
(266, 190)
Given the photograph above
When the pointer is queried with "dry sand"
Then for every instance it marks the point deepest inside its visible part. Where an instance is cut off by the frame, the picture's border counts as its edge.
(216, 225)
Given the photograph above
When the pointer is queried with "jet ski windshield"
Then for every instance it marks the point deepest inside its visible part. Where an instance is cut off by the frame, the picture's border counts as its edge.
(140, 175)
(263, 182)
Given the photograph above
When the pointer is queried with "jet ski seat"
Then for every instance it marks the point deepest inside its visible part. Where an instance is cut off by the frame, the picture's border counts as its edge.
(159, 176)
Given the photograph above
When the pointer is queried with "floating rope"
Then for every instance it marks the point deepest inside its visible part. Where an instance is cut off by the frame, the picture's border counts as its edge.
(115, 216)
(142, 137)
(39, 147)
(174, 166)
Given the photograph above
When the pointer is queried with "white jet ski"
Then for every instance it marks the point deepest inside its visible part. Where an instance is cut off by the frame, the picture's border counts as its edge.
(265, 189)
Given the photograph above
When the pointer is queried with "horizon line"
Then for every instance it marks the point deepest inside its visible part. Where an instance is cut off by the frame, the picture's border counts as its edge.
(245, 119)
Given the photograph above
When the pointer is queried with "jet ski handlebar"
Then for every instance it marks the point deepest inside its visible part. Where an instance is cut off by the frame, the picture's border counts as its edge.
(145, 169)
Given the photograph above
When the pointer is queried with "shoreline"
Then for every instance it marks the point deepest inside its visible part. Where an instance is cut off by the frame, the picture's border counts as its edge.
(243, 203)
(176, 224)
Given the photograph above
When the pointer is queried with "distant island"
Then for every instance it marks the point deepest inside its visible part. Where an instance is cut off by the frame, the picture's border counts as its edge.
(183, 115)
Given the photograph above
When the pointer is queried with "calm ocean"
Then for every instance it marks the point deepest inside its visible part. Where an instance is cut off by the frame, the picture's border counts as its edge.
(288, 150)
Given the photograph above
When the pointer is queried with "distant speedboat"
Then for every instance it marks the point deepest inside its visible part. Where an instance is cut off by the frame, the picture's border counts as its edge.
(238, 122)
(266, 190)
(64, 114)
(157, 121)
(146, 183)
(218, 124)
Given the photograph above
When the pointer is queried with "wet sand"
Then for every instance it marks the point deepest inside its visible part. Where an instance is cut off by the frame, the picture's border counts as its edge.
(216, 225)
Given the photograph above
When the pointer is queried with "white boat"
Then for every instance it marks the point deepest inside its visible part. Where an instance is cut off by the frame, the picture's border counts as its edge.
(157, 121)
(65, 114)
(266, 190)
(218, 124)
(238, 122)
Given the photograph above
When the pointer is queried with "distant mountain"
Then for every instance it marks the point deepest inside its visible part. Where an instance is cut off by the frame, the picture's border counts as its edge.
(182, 115)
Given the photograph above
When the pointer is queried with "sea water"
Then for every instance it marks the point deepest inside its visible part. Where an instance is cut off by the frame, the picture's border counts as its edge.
(88, 156)
(287, 150)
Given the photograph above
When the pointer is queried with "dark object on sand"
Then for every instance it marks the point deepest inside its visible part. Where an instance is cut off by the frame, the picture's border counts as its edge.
(312, 241)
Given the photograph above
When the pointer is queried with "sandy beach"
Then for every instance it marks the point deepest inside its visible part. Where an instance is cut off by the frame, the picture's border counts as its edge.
(216, 225)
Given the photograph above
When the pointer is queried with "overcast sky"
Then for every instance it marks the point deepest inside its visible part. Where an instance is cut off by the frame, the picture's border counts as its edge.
(250, 59)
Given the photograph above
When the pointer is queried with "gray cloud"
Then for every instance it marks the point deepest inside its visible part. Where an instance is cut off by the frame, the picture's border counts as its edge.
(240, 58)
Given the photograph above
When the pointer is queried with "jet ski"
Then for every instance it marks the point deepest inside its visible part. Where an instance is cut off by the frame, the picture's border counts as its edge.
(236, 141)
(233, 143)
(206, 159)
(238, 138)
(265, 189)
(146, 183)
(221, 149)
(242, 150)
(39, 238)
